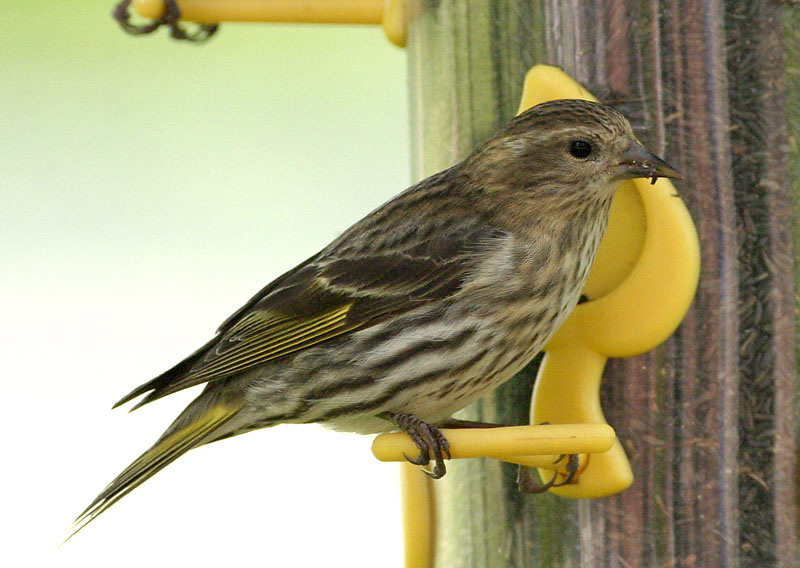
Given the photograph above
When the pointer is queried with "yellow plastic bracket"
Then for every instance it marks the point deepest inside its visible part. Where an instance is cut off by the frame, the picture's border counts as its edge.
(388, 13)
(533, 446)
(639, 288)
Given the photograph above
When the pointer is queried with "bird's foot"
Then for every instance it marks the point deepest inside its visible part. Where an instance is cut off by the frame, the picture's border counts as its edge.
(527, 484)
(431, 442)
(170, 18)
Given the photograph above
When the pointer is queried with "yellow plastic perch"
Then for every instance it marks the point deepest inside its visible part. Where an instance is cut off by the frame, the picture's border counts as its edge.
(387, 13)
(533, 446)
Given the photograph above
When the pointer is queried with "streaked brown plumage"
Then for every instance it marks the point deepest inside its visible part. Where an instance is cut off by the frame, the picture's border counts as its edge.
(436, 297)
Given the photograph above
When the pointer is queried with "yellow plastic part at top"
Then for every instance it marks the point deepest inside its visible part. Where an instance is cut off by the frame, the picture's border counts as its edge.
(388, 13)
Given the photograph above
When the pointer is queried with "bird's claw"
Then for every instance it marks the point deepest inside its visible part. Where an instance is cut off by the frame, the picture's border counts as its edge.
(527, 484)
(170, 18)
(429, 440)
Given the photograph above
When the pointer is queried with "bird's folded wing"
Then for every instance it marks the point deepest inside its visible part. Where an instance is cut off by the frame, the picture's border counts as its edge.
(319, 300)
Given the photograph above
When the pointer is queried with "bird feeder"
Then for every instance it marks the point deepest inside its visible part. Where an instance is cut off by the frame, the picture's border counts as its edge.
(704, 425)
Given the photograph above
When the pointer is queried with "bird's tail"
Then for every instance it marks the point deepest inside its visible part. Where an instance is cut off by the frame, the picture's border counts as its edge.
(200, 423)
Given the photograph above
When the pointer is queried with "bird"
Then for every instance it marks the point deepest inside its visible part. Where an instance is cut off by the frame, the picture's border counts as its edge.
(429, 302)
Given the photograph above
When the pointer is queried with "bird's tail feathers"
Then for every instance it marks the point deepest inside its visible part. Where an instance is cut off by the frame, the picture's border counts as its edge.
(194, 427)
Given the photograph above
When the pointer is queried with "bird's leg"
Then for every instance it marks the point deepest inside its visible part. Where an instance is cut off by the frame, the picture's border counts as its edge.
(527, 484)
(170, 18)
(430, 441)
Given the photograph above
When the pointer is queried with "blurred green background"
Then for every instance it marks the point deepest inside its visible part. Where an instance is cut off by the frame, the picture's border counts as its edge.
(147, 189)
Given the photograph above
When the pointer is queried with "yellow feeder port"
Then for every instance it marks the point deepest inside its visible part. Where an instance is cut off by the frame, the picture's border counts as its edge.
(639, 288)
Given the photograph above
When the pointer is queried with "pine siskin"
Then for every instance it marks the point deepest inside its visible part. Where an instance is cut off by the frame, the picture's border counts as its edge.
(427, 303)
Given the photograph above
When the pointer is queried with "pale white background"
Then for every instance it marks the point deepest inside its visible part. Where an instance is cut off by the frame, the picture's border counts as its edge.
(147, 189)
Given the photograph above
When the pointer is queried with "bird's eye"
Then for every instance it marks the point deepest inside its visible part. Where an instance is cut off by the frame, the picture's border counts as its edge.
(580, 148)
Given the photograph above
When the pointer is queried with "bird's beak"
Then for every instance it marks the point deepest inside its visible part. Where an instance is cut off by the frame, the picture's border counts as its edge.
(637, 162)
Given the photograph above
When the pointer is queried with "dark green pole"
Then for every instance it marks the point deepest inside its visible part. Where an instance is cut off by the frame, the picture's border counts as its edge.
(709, 419)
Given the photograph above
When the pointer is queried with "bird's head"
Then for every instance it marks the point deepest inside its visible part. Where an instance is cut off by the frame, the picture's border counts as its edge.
(566, 151)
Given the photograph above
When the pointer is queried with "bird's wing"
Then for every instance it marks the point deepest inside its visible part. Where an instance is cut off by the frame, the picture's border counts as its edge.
(323, 298)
